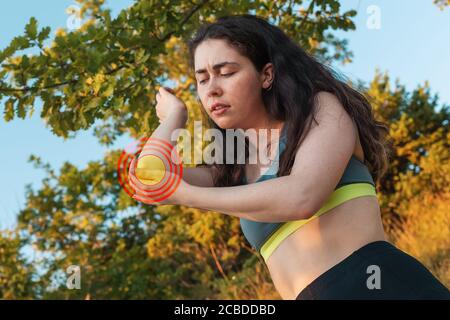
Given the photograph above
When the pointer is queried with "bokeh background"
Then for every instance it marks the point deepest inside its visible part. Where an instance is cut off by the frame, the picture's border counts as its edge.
(77, 85)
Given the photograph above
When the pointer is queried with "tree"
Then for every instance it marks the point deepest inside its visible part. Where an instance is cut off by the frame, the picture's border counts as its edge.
(107, 72)
(414, 193)
(442, 3)
(16, 273)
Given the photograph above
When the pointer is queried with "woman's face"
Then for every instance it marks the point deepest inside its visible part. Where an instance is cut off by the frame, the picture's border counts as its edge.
(236, 83)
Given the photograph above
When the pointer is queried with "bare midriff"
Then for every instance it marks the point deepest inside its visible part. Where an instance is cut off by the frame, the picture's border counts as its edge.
(322, 243)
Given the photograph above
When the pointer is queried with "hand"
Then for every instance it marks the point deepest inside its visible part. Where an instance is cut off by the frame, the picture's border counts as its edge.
(177, 197)
(169, 104)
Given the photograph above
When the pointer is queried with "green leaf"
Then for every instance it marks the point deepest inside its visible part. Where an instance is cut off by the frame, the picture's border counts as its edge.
(25, 63)
(8, 113)
(139, 54)
(31, 28)
(95, 59)
(334, 5)
(21, 112)
(82, 119)
(18, 43)
(117, 102)
(94, 103)
(109, 90)
(44, 34)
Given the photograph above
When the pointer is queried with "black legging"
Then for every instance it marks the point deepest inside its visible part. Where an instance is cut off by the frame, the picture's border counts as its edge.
(377, 270)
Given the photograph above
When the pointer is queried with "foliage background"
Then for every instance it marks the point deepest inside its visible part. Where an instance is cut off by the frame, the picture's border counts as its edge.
(103, 76)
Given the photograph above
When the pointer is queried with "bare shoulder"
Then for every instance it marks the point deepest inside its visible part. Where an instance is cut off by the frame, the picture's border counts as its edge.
(327, 102)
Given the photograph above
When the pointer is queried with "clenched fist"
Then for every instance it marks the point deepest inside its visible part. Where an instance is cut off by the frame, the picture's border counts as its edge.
(169, 104)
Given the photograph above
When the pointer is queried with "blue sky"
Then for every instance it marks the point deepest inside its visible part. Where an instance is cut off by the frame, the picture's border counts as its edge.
(412, 44)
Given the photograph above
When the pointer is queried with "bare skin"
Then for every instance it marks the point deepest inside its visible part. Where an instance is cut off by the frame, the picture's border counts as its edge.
(323, 242)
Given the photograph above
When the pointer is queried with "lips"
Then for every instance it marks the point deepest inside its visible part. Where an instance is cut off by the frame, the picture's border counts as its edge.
(218, 106)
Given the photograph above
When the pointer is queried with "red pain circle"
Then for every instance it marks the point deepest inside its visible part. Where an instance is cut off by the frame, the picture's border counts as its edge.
(137, 150)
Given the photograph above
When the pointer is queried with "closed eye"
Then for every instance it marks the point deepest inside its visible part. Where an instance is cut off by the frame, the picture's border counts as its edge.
(225, 75)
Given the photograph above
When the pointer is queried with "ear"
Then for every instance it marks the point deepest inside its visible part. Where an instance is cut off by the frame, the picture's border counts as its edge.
(267, 75)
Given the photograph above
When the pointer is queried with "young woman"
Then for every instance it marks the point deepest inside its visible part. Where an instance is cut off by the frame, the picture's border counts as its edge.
(316, 220)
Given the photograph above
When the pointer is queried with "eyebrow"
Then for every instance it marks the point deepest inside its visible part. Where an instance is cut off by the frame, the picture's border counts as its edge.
(217, 66)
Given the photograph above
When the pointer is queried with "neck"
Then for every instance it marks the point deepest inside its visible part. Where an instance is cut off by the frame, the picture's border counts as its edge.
(269, 142)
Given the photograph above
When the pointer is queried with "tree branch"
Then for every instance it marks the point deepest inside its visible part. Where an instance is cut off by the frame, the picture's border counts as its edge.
(217, 262)
(188, 16)
(54, 85)
(310, 9)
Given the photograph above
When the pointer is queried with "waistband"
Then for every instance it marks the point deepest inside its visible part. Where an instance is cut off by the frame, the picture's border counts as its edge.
(370, 250)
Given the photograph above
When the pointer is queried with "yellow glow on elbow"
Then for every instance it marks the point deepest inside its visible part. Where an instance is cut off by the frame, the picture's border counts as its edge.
(150, 170)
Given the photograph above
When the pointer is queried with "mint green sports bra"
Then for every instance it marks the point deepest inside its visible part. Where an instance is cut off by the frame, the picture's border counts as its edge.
(266, 237)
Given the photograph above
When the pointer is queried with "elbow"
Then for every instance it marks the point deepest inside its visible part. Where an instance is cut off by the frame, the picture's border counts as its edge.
(299, 213)
(296, 204)
(300, 210)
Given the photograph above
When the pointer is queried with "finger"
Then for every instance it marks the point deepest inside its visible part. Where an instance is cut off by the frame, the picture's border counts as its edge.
(142, 188)
(138, 198)
(131, 166)
(169, 90)
(133, 180)
(138, 186)
(145, 198)
(165, 90)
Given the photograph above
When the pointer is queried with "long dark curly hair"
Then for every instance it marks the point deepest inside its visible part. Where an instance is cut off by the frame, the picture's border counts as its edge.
(298, 78)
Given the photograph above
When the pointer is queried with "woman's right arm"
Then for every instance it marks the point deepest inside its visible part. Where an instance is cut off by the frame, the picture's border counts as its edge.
(201, 176)
(169, 122)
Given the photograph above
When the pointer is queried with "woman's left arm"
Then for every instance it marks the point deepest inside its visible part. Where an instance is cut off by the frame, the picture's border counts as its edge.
(273, 200)
(319, 164)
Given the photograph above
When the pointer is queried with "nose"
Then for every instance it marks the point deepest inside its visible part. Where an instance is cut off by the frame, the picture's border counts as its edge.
(213, 88)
